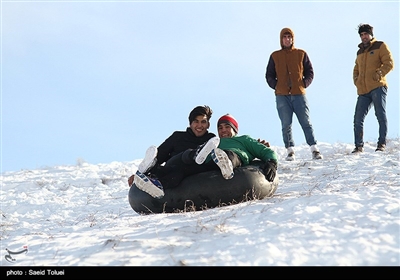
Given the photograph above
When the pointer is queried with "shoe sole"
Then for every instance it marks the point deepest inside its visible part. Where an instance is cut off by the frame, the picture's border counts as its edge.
(206, 150)
(149, 159)
(223, 162)
(143, 183)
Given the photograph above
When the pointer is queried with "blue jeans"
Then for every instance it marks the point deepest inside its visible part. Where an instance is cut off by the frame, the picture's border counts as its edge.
(298, 104)
(376, 97)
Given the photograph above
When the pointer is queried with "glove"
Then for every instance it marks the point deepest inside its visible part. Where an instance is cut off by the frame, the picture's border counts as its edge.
(269, 169)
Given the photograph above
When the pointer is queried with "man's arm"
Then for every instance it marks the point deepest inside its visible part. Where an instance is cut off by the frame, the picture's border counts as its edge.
(387, 60)
(270, 74)
(308, 72)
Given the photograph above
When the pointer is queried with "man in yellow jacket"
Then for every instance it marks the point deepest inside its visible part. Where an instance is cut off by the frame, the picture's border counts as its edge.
(374, 61)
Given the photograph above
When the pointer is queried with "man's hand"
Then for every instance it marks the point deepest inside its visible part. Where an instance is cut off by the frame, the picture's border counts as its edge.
(378, 75)
(130, 180)
(263, 142)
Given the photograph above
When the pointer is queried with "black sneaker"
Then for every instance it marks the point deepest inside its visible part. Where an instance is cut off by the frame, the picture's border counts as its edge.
(357, 150)
(380, 148)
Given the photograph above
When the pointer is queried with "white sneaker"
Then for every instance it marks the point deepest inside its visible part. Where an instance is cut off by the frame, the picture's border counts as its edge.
(290, 156)
(149, 160)
(149, 185)
(206, 149)
(223, 162)
(315, 153)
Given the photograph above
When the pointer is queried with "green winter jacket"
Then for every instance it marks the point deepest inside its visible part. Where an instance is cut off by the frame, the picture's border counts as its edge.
(370, 61)
(247, 149)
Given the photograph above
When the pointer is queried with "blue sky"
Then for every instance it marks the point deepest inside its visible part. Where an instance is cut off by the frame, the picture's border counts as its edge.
(101, 81)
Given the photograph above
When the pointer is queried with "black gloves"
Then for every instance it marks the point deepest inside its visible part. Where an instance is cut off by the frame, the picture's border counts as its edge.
(269, 169)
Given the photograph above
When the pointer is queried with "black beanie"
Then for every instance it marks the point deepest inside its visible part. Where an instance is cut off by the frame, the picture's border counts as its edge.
(366, 28)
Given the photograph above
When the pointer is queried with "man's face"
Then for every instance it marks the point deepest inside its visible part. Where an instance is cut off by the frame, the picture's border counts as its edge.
(200, 125)
(287, 40)
(225, 131)
(365, 37)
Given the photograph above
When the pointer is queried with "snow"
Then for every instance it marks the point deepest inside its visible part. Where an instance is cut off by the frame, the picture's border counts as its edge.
(342, 210)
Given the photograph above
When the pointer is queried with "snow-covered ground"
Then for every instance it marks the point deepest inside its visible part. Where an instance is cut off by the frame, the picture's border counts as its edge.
(339, 211)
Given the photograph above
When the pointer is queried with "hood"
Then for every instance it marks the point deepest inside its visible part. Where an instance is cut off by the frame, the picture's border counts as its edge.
(283, 31)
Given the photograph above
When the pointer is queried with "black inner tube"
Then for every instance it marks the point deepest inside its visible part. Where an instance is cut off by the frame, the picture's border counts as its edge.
(206, 190)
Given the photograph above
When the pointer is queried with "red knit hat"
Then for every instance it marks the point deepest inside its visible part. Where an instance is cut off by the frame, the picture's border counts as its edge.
(229, 119)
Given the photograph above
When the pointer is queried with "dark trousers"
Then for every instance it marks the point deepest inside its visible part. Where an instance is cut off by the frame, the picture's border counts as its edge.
(183, 165)
(377, 98)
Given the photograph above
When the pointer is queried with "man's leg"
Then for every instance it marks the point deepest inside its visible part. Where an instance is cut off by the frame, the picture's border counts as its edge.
(302, 111)
(179, 167)
(379, 100)
(285, 112)
(364, 103)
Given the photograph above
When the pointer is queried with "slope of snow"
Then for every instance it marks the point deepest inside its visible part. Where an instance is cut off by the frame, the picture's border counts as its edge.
(339, 211)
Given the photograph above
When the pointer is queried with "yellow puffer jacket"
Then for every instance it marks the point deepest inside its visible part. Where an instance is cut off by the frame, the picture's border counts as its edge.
(373, 63)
